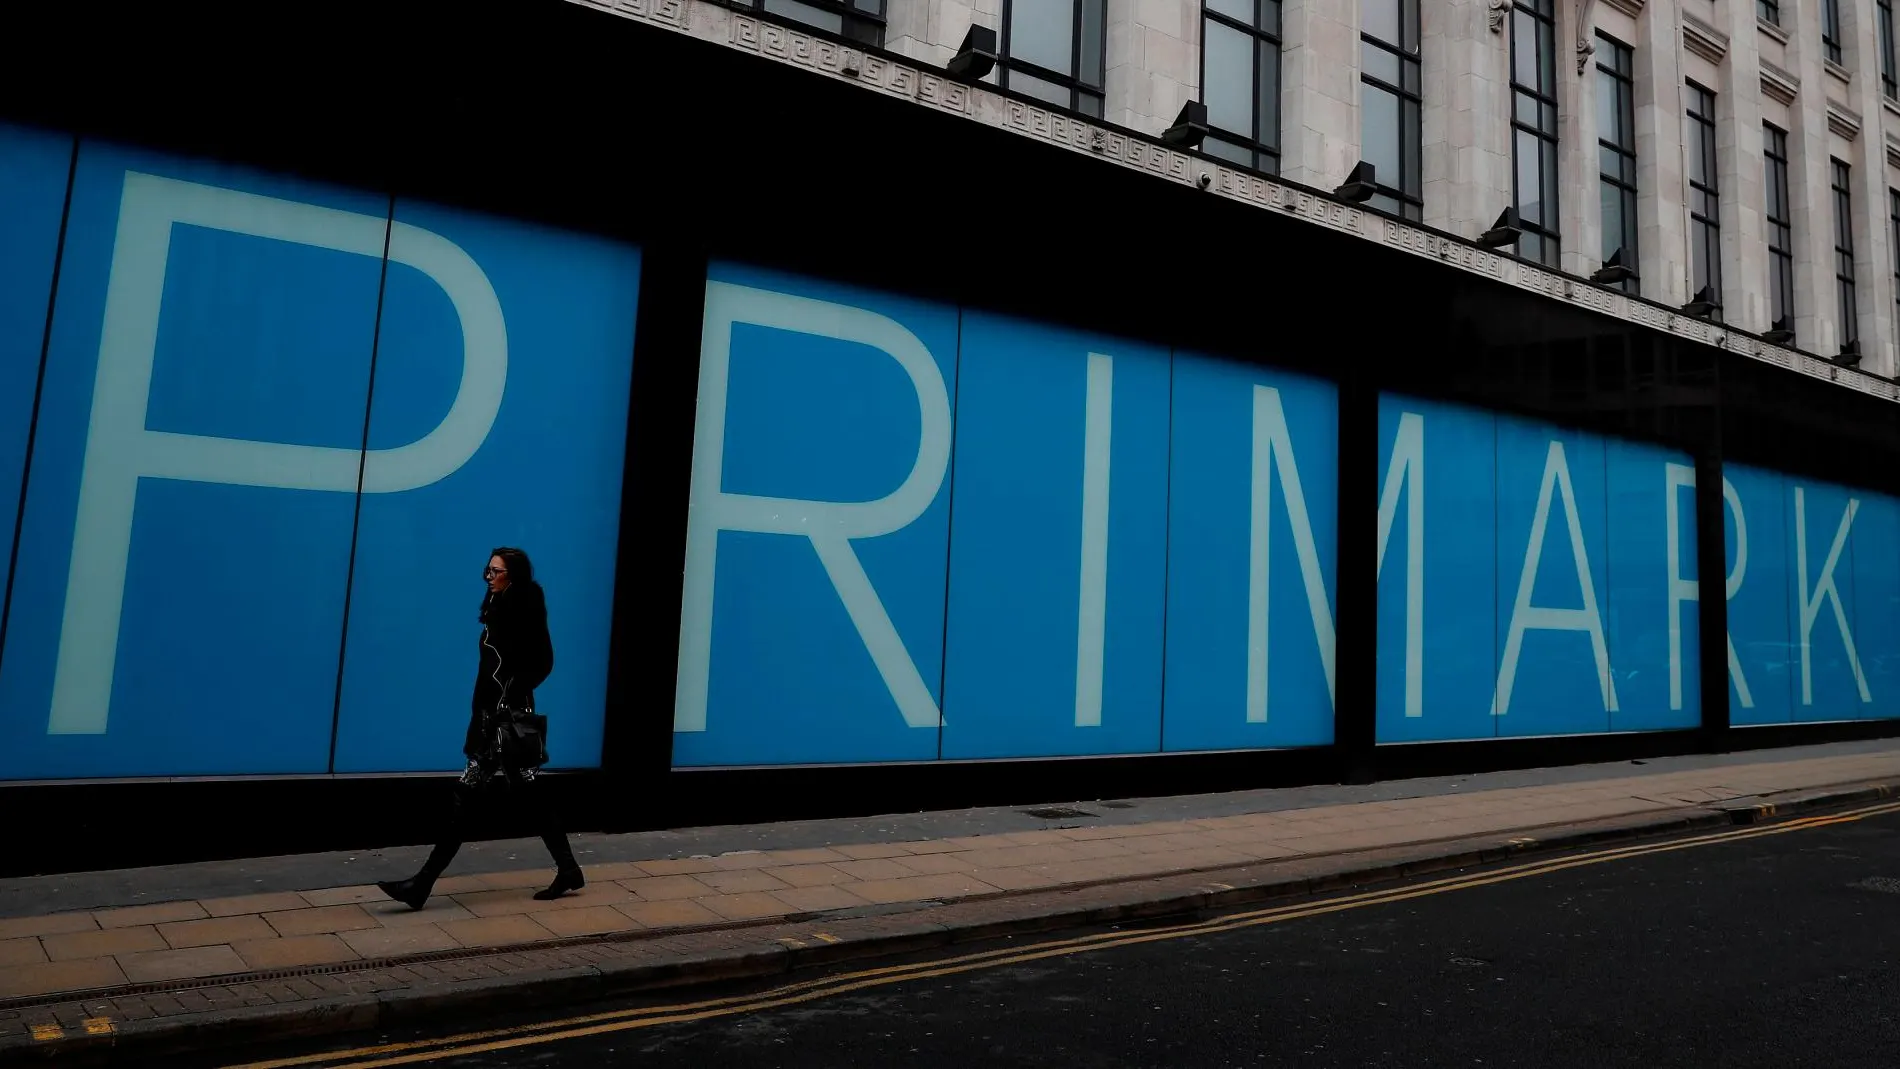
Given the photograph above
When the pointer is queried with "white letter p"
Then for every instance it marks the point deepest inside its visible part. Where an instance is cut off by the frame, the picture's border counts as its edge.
(120, 450)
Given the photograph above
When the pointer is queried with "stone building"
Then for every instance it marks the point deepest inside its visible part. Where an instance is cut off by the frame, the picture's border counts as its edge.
(1700, 138)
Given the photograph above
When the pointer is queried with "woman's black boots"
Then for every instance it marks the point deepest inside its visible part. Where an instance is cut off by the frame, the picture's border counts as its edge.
(414, 891)
(567, 875)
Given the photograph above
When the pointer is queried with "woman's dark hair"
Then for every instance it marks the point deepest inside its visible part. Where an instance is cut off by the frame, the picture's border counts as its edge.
(520, 568)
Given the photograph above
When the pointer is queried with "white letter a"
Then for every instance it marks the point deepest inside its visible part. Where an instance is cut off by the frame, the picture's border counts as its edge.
(1525, 616)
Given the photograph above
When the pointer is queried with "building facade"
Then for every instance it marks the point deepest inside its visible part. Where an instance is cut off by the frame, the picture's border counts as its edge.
(897, 422)
(1749, 147)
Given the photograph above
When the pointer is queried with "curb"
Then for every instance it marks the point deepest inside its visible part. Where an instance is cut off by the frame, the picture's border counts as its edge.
(779, 950)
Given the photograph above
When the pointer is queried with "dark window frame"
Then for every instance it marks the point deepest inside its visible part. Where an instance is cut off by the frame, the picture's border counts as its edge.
(1889, 77)
(1540, 235)
(1779, 213)
(1616, 63)
(1402, 194)
(1084, 96)
(1705, 195)
(1263, 152)
(1768, 11)
(1847, 304)
(1893, 218)
(859, 21)
(1831, 29)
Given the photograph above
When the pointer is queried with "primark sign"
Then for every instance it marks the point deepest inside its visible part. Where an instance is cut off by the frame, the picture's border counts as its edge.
(924, 532)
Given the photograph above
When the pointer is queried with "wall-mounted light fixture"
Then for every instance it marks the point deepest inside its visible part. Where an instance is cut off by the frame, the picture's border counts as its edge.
(1701, 304)
(1504, 232)
(976, 57)
(1361, 185)
(1850, 353)
(1189, 126)
(1614, 271)
(1781, 332)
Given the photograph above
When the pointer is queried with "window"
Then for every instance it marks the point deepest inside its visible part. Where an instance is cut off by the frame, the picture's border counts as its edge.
(1768, 11)
(1831, 29)
(858, 20)
(1389, 124)
(1705, 205)
(1888, 79)
(1053, 50)
(1844, 255)
(1240, 81)
(1534, 126)
(1893, 219)
(1780, 228)
(1616, 151)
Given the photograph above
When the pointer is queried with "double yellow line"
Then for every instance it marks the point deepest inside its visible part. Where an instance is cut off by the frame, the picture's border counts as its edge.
(467, 1043)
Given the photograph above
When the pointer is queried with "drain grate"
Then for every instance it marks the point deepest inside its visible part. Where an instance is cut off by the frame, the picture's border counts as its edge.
(1118, 805)
(1055, 812)
(1884, 884)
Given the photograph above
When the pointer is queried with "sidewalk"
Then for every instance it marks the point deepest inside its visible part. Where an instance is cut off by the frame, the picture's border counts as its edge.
(234, 948)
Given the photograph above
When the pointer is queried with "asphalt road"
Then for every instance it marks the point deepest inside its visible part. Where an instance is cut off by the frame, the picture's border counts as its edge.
(1776, 951)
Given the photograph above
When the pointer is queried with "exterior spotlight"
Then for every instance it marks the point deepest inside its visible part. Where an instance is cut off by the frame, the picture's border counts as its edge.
(1614, 270)
(1189, 126)
(1702, 304)
(1850, 353)
(1781, 332)
(976, 57)
(1361, 185)
(1504, 232)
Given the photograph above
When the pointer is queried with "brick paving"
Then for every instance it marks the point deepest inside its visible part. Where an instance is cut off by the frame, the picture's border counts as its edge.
(646, 910)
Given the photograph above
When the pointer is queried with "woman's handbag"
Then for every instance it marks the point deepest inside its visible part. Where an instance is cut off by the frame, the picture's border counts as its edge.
(521, 736)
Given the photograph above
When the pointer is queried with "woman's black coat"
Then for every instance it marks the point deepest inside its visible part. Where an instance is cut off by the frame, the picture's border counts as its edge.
(516, 656)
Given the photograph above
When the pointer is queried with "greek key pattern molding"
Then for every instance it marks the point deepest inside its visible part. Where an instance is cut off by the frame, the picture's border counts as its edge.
(716, 23)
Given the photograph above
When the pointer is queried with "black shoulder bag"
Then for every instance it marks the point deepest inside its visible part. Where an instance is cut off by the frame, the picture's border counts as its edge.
(521, 735)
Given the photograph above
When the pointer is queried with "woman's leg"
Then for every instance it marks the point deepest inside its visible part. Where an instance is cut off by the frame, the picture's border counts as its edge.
(533, 795)
(414, 891)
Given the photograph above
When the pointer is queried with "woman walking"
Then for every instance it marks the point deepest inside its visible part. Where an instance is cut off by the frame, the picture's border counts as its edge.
(504, 738)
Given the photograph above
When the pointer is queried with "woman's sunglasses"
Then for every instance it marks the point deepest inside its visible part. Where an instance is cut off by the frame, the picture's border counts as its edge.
(490, 573)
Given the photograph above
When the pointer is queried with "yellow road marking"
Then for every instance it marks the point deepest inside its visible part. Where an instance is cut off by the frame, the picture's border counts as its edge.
(46, 1032)
(415, 1051)
(98, 1026)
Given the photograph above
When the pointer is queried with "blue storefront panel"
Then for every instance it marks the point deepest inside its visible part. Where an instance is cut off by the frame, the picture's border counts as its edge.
(1438, 620)
(186, 543)
(186, 534)
(1057, 544)
(1554, 673)
(1252, 546)
(1544, 602)
(1815, 592)
(33, 173)
(1650, 605)
(498, 418)
(812, 619)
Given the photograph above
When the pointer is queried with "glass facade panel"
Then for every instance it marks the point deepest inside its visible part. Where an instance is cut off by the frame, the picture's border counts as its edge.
(1616, 154)
(1389, 115)
(1780, 227)
(1240, 81)
(1705, 217)
(1053, 50)
(1847, 310)
(1534, 144)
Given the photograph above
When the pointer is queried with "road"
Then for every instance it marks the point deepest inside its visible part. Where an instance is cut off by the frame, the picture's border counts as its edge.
(1766, 949)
